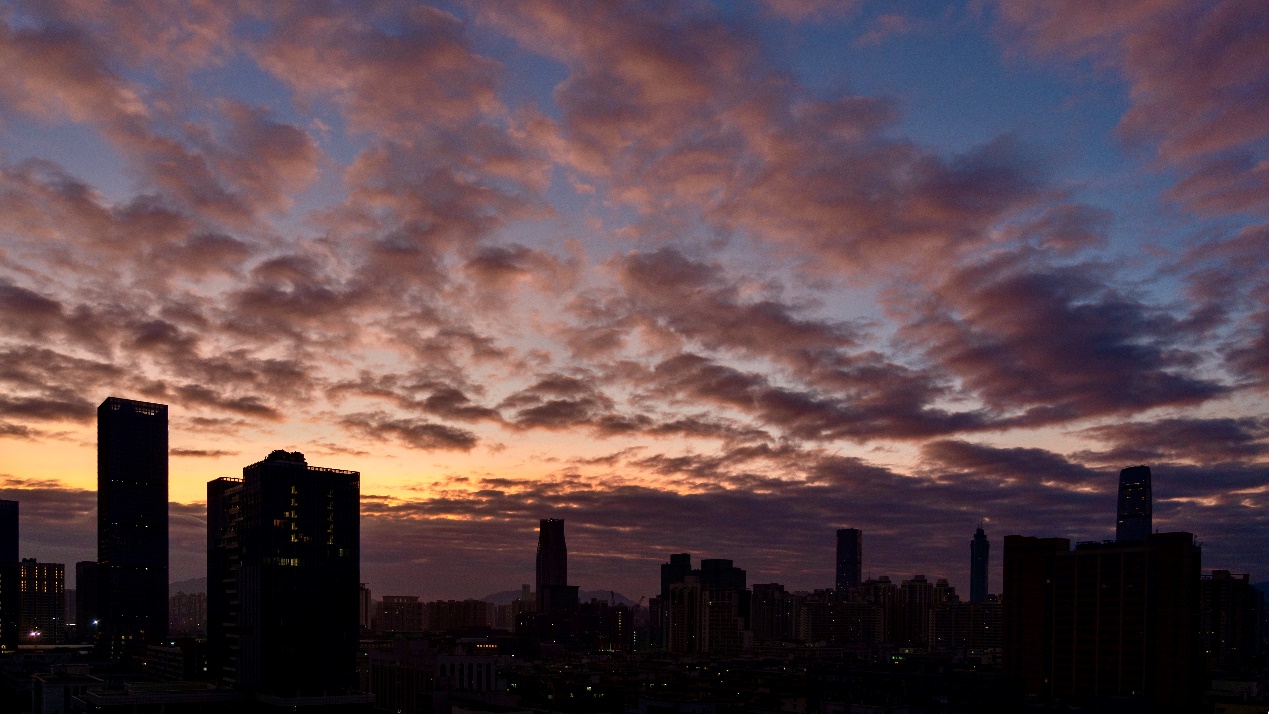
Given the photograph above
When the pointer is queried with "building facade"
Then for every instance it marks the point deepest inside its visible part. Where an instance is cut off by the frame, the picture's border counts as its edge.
(1105, 621)
(42, 608)
(9, 572)
(850, 558)
(132, 523)
(401, 613)
(1136, 506)
(283, 563)
(552, 565)
(87, 612)
(979, 559)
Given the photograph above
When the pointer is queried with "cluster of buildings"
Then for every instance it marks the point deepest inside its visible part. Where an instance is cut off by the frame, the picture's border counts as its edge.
(275, 630)
(285, 623)
(1129, 620)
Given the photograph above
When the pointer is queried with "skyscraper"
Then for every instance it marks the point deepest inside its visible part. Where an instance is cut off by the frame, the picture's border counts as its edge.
(1106, 620)
(1135, 506)
(679, 567)
(552, 565)
(132, 541)
(9, 585)
(850, 557)
(283, 567)
(43, 597)
(979, 552)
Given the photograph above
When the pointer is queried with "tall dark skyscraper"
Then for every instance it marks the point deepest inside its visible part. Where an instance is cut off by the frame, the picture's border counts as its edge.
(1135, 505)
(283, 575)
(552, 563)
(979, 557)
(9, 576)
(850, 557)
(132, 540)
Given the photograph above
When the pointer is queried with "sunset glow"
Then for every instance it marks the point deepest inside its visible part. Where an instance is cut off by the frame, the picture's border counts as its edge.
(701, 277)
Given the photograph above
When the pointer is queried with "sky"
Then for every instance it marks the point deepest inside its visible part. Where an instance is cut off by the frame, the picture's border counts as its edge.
(703, 277)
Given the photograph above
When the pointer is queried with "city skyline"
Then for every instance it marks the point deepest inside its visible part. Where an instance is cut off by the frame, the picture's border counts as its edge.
(848, 571)
(718, 278)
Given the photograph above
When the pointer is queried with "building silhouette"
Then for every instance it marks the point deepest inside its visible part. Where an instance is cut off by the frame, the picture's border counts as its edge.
(42, 612)
(401, 613)
(1106, 621)
(1133, 521)
(1230, 612)
(87, 612)
(132, 538)
(283, 566)
(554, 593)
(979, 557)
(679, 567)
(706, 610)
(850, 557)
(9, 576)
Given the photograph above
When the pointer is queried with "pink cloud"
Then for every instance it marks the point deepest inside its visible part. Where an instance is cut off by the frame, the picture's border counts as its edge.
(1198, 76)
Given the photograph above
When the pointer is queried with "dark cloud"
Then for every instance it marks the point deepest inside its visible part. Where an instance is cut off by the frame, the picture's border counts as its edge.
(558, 401)
(412, 433)
(58, 524)
(1202, 441)
(201, 453)
(1045, 343)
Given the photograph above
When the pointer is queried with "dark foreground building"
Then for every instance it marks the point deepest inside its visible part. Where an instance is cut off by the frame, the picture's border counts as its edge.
(850, 558)
(283, 566)
(9, 576)
(979, 558)
(552, 567)
(87, 612)
(132, 541)
(1108, 623)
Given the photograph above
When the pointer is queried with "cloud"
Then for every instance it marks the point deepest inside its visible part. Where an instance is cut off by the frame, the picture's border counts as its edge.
(412, 433)
(1043, 343)
(1194, 440)
(200, 453)
(681, 116)
(1198, 76)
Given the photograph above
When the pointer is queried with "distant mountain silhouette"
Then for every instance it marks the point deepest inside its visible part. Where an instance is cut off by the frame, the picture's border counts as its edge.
(197, 585)
(506, 596)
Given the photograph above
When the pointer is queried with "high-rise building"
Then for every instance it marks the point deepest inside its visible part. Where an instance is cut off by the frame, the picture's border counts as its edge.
(552, 568)
(42, 612)
(679, 567)
(364, 609)
(283, 566)
(401, 613)
(1230, 629)
(8, 531)
(979, 557)
(683, 631)
(1027, 608)
(9, 576)
(86, 608)
(187, 614)
(772, 614)
(1107, 620)
(1133, 521)
(850, 557)
(132, 539)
